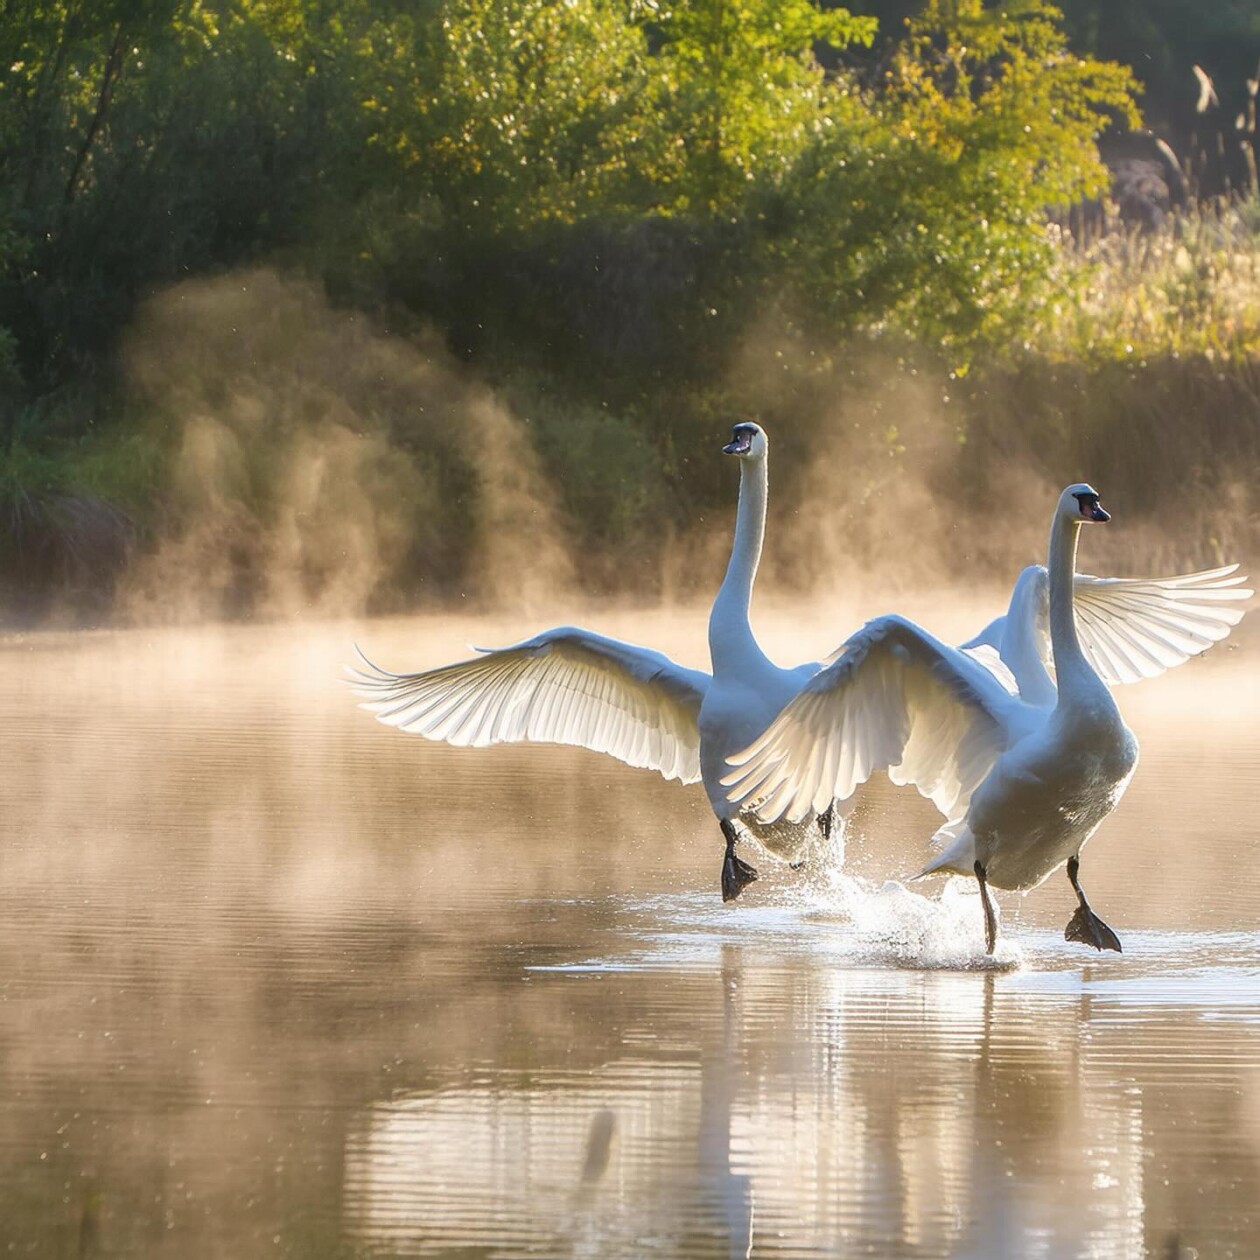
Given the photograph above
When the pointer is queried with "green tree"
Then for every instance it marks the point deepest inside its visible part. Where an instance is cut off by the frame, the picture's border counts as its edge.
(742, 89)
(141, 140)
(517, 111)
(923, 208)
(504, 113)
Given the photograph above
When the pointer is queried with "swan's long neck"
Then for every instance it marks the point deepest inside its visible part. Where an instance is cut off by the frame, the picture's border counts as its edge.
(1074, 673)
(730, 634)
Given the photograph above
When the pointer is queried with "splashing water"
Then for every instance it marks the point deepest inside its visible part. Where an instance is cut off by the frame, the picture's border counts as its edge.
(894, 925)
(831, 915)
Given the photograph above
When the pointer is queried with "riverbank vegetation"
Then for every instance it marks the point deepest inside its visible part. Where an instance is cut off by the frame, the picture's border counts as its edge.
(312, 309)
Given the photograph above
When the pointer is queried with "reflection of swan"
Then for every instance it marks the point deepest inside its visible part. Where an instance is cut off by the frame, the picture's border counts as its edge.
(864, 1111)
(571, 686)
(1023, 782)
(1097, 1165)
(491, 1165)
(726, 1192)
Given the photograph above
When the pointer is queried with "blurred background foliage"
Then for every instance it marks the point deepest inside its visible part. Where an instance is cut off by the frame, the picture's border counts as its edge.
(629, 220)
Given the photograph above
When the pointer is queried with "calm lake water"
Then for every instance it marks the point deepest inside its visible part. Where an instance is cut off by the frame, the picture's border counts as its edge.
(278, 981)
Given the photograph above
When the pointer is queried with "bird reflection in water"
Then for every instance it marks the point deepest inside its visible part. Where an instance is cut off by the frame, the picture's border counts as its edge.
(577, 1164)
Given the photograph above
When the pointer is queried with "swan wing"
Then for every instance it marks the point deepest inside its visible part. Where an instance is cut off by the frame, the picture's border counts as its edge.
(564, 686)
(990, 636)
(897, 699)
(991, 658)
(1129, 628)
(1135, 628)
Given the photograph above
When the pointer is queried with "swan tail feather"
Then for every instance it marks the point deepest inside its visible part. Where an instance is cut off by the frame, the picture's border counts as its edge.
(956, 851)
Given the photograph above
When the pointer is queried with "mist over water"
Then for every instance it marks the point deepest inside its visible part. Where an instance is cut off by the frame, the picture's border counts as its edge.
(317, 465)
(314, 457)
(879, 502)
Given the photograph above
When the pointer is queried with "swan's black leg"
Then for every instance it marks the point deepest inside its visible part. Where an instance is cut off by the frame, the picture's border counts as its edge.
(1085, 926)
(990, 919)
(827, 820)
(826, 825)
(736, 873)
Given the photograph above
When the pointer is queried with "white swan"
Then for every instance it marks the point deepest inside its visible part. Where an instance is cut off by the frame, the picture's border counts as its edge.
(572, 686)
(1023, 778)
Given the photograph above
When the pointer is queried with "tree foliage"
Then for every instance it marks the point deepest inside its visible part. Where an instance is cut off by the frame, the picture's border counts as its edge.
(741, 89)
(526, 172)
(143, 141)
(594, 201)
(937, 182)
(508, 113)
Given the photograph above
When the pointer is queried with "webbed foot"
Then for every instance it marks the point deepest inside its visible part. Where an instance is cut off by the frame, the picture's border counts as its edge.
(1085, 926)
(736, 875)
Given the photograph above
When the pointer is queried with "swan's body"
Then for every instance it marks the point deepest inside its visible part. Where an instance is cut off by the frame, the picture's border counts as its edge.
(1045, 796)
(1023, 776)
(1066, 764)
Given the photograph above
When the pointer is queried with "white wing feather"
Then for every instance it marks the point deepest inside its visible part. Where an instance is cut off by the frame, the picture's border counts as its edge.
(1136, 628)
(565, 686)
(896, 699)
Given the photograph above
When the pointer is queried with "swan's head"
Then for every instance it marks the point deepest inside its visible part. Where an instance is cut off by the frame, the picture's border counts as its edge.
(1080, 503)
(748, 441)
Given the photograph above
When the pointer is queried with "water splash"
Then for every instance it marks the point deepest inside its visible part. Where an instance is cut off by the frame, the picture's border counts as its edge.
(836, 919)
(890, 924)
(893, 925)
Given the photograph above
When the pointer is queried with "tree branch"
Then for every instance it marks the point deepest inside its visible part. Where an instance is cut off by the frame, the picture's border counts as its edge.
(113, 66)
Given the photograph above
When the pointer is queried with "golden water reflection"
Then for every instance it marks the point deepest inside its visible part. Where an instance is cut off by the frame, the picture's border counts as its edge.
(277, 981)
(802, 1113)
